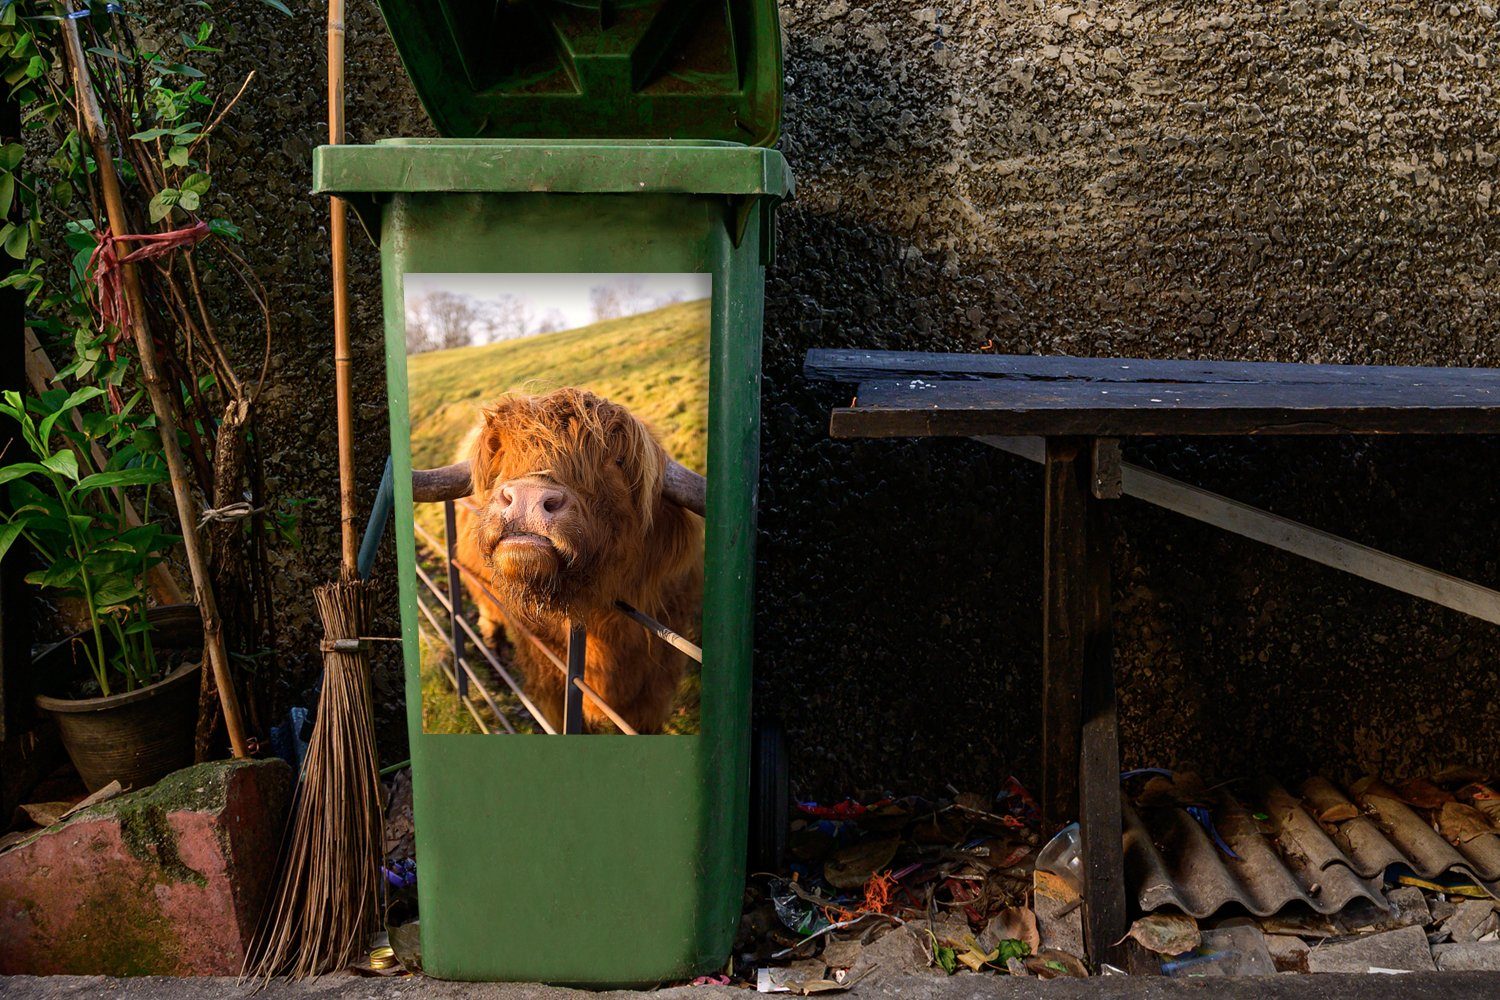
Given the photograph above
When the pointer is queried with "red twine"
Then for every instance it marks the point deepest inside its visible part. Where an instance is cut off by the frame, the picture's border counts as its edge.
(105, 264)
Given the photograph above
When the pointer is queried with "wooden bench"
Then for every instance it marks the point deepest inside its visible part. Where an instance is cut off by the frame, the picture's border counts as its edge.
(1069, 414)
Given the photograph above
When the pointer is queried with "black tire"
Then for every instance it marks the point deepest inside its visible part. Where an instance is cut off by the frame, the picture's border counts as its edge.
(770, 797)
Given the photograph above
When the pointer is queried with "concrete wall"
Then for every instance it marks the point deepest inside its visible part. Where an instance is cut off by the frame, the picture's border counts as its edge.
(1298, 181)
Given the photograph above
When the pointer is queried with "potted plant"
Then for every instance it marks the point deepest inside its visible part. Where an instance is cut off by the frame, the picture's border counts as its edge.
(124, 689)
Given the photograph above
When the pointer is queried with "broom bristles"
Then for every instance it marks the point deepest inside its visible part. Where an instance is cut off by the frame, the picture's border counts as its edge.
(327, 895)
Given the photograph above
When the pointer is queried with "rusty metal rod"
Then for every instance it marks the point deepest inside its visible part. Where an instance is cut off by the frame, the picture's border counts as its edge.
(557, 661)
(468, 670)
(663, 633)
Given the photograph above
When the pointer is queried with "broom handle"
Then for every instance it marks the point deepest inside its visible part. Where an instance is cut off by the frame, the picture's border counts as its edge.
(161, 402)
(343, 361)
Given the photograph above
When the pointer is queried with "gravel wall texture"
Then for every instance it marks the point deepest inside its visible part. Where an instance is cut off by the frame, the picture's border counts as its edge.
(1300, 181)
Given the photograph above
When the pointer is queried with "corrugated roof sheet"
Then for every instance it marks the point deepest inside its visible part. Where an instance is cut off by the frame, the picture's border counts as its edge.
(1324, 848)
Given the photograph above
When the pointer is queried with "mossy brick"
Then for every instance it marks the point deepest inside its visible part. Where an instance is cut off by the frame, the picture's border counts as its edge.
(169, 880)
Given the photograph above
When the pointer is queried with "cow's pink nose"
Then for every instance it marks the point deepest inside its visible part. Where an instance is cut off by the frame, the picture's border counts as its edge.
(535, 503)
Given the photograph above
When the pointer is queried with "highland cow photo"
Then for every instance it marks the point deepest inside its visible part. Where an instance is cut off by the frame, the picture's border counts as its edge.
(577, 404)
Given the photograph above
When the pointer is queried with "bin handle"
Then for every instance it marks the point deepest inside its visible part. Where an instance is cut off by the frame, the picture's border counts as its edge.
(682, 485)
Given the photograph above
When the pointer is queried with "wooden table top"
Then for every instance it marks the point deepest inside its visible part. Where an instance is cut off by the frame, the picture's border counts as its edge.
(903, 394)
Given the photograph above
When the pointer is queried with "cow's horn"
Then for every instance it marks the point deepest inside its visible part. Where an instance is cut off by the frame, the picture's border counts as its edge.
(452, 482)
(685, 487)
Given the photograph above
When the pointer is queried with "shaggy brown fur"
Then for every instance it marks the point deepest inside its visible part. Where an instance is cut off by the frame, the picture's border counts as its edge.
(617, 538)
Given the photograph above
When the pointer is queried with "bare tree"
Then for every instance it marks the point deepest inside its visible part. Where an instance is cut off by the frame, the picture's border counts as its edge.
(440, 320)
(627, 296)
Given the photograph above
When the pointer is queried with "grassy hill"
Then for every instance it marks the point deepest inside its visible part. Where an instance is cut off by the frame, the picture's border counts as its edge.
(656, 363)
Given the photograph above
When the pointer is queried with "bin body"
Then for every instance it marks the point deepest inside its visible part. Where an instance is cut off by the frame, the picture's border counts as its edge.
(591, 860)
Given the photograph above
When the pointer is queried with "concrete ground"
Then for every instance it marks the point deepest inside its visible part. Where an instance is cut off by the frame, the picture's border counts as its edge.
(1416, 986)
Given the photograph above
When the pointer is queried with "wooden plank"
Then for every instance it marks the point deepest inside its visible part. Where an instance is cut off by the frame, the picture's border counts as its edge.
(1101, 830)
(1291, 536)
(932, 408)
(874, 366)
(1064, 588)
(1312, 543)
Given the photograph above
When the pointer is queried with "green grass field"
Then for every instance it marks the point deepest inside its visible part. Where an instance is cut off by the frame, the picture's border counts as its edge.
(655, 363)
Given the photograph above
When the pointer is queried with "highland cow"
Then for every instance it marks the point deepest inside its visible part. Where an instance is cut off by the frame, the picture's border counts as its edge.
(571, 515)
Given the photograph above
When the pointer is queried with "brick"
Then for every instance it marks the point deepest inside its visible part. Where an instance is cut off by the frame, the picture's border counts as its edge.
(169, 880)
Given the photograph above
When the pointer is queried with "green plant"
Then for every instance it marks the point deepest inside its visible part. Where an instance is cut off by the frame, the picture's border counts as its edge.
(76, 520)
(207, 312)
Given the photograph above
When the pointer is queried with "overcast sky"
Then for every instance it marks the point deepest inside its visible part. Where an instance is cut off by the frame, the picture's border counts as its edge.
(568, 293)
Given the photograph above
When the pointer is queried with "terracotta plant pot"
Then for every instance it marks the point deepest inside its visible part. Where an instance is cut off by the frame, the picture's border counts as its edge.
(137, 737)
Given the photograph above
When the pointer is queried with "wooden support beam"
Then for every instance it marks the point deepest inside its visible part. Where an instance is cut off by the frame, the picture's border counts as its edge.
(1291, 536)
(1101, 833)
(1064, 616)
(1105, 481)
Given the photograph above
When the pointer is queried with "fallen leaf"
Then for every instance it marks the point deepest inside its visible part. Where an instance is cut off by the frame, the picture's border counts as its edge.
(104, 794)
(1460, 824)
(1423, 794)
(1458, 774)
(1166, 933)
(1017, 967)
(1484, 798)
(852, 866)
(1014, 923)
(1338, 812)
(1052, 964)
(45, 813)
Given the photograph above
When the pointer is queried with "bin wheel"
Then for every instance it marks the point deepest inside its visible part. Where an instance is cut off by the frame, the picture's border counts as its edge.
(770, 793)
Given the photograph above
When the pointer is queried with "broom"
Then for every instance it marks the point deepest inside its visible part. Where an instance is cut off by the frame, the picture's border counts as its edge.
(327, 900)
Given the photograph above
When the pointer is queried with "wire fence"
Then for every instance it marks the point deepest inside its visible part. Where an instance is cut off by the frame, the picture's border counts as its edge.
(458, 634)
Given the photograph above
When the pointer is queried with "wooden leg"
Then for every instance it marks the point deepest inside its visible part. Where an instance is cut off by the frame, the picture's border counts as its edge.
(1104, 905)
(1064, 586)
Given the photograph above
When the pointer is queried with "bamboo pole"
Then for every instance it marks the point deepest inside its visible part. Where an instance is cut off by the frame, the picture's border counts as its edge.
(161, 401)
(40, 372)
(343, 360)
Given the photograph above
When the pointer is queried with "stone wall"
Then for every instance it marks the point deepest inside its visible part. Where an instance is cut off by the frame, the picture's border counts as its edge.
(1298, 181)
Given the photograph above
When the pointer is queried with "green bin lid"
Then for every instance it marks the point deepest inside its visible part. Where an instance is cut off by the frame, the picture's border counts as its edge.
(591, 69)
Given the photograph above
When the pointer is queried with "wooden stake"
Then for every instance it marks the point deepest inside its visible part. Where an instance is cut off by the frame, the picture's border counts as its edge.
(343, 360)
(161, 401)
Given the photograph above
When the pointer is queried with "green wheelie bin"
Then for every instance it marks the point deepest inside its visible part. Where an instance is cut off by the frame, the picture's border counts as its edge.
(573, 284)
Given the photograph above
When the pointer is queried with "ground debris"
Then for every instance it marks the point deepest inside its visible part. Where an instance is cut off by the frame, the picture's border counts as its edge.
(1403, 950)
(901, 885)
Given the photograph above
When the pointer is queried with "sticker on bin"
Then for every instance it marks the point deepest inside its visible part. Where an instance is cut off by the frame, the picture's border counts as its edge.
(559, 423)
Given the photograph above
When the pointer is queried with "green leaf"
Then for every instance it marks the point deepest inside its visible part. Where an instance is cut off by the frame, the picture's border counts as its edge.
(198, 183)
(177, 156)
(947, 958)
(77, 398)
(17, 240)
(59, 574)
(153, 133)
(37, 67)
(9, 532)
(223, 227)
(122, 477)
(188, 201)
(161, 205)
(20, 469)
(64, 463)
(7, 192)
(11, 155)
(117, 591)
(277, 5)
